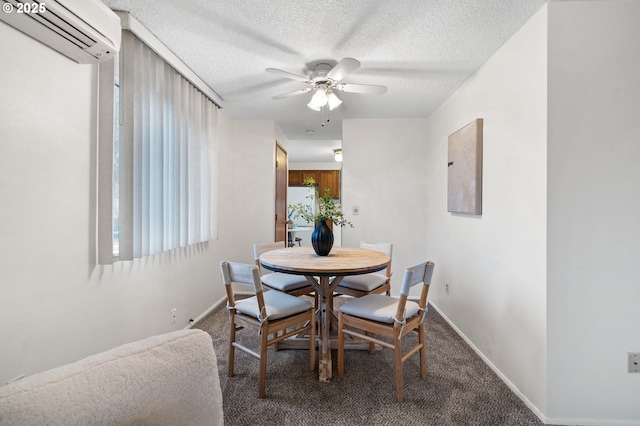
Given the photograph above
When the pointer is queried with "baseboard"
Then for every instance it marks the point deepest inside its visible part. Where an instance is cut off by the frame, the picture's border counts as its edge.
(495, 369)
(207, 312)
(590, 422)
(214, 306)
(546, 420)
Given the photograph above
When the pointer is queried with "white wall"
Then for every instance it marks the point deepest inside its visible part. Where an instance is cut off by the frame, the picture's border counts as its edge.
(314, 166)
(384, 174)
(56, 305)
(253, 188)
(396, 171)
(495, 264)
(594, 200)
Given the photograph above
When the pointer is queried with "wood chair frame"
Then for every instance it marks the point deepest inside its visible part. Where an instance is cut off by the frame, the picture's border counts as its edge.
(395, 331)
(268, 330)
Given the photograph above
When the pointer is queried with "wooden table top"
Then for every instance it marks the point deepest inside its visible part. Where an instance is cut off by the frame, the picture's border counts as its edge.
(340, 261)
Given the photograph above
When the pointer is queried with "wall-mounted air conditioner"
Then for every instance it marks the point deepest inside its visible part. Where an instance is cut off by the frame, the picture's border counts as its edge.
(86, 31)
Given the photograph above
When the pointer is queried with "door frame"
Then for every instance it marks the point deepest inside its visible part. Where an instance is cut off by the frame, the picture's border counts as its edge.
(281, 183)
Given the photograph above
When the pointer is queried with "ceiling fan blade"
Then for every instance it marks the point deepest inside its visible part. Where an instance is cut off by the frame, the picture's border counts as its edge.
(367, 89)
(342, 68)
(287, 74)
(294, 93)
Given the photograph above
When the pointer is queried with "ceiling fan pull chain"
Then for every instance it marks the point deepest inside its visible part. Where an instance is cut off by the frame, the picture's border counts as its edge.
(322, 112)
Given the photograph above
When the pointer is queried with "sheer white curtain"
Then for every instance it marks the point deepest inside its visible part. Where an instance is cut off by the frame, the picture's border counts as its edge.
(164, 151)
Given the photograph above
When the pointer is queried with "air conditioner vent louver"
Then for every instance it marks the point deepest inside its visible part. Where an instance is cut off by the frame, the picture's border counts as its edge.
(63, 29)
(84, 30)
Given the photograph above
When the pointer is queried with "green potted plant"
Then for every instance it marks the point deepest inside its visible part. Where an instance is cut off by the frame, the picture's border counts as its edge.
(327, 209)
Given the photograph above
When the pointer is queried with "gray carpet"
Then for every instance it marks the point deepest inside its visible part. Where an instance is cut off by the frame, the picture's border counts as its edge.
(459, 389)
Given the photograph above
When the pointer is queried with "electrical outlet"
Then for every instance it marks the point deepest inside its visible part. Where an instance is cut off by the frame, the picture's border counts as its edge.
(634, 362)
(446, 287)
(173, 316)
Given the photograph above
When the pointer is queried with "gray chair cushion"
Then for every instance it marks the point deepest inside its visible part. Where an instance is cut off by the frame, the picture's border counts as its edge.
(365, 282)
(378, 307)
(277, 305)
(284, 282)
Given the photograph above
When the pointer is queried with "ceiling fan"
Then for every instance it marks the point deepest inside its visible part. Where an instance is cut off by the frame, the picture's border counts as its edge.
(324, 81)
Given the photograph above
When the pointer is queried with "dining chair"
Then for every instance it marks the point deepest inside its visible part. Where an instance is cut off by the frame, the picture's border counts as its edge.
(268, 313)
(373, 283)
(375, 315)
(295, 285)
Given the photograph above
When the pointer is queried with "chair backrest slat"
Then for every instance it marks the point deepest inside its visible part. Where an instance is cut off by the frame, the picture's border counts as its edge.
(260, 248)
(242, 274)
(419, 274)
(386, 248)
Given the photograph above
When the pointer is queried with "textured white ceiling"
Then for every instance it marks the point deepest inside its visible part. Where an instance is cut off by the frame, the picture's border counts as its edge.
(422, 50)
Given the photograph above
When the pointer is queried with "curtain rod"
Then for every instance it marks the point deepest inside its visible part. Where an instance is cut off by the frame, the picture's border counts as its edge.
(130, 23)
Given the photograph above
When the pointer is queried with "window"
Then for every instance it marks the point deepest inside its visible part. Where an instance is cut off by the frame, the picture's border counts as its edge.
(115, 210)
(156, 155)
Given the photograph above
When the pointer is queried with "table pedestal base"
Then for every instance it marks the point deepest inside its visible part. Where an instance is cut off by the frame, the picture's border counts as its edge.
(327, 321)
(324, 373)
(324, 288)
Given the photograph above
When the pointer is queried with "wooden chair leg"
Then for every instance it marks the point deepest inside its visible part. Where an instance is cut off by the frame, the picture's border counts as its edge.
(398, 358)
(340, 344)
(423, 351)
(232, 349)
(263, 363)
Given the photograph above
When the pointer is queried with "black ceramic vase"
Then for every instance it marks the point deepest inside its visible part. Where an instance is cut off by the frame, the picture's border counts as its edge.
(322, 239)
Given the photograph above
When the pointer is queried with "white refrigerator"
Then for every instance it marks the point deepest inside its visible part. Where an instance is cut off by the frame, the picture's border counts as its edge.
(301, 228)
(300, 194)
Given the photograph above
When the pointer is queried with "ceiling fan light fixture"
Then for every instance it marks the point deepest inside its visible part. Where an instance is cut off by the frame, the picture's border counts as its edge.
(333, 100)
(325, 82)
(319, 99)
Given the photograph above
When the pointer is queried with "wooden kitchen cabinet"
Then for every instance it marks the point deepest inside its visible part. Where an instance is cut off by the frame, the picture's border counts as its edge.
(329, 179)
(297, 177)
(324, 179)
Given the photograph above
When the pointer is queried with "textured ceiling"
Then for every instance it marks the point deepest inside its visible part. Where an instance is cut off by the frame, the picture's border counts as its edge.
(422, 50)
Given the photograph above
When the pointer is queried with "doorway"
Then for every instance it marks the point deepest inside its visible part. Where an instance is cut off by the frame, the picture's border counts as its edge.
(281, 194)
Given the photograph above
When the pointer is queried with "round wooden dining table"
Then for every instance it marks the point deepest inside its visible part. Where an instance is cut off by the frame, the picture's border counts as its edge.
(324, 273)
